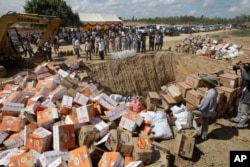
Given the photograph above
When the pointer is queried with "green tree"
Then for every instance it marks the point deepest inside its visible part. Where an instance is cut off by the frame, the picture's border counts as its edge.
(57, 8)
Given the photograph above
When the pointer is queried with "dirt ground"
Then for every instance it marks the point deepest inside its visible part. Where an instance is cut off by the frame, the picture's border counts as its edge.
(148, 72)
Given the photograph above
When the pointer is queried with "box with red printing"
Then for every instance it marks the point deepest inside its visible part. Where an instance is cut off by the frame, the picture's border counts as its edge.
(111, 159)
(66, 105)
(105, 101)
(72, 119)
(50, 84)
(23, 160)
(81, 99)
(130, 121)
(79, 157)
(47, 116)
(10, 123)
(63, 137)
(15, 140)
(85, 113)
(3, 135)
(40, 140)
(116, 112)
(57, 93)
(90, 90)
(49, 156)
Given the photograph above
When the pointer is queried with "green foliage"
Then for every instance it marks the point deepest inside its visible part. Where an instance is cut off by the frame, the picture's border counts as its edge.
(57, 8)
(242, 33)
(194, 20)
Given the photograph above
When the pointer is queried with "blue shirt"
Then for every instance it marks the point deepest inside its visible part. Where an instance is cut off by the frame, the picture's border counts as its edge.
(208, 103)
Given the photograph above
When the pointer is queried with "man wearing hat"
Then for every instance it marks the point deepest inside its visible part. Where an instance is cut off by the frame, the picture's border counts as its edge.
(207, 106)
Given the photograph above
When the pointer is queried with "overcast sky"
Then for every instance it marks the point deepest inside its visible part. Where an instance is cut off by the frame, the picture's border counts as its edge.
(126, 9)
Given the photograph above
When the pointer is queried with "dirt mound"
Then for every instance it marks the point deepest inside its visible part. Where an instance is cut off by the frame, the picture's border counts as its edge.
(143, 73)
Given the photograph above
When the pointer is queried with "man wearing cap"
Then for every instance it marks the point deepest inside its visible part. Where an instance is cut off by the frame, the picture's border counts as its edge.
(244, 102)
(207, 106)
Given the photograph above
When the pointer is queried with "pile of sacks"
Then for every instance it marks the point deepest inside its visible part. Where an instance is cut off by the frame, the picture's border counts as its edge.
(53, 118)
(205, 46)
(123, 54)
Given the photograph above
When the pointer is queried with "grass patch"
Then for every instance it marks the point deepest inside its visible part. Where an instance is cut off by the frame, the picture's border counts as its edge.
(220, 36)
(241, 33)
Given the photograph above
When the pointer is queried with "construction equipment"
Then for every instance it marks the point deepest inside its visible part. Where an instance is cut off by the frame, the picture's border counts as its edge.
(11, 44)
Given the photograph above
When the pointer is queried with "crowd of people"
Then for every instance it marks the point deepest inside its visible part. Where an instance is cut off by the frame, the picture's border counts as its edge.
(97, 42)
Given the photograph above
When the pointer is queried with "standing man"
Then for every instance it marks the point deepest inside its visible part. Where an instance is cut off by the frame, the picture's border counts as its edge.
(88, 46)
(48, 51)
(151, 41)
(244, 102)
(101, 47)
(77, 48)
(207, 106)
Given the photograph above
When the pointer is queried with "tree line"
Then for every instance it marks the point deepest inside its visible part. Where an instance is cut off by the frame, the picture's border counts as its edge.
(193, 20)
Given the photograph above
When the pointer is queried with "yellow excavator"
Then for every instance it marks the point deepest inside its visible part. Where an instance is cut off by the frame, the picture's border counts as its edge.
(11, 45)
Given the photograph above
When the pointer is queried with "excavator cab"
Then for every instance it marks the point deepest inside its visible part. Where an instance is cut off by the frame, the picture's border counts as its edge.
(16, 41)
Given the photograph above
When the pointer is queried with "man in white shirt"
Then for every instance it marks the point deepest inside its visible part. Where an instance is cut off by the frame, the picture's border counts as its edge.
(101, 48)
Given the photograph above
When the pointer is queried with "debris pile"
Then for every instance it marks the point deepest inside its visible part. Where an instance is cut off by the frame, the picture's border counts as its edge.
(212, 48)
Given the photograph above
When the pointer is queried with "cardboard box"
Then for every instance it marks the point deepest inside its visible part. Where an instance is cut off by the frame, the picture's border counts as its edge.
(9, 88)
(90, 90)
(49, 156)
(95, 153)
(175, 93)
(63, 137)
(49, 84)
(72, 119)
(105, 101)
(130, 121)
(88, 134)
(230, 93)
(111, 159)
(66, 105)
(116, 112)
(121, 141)
(184, 145)
(85, 113)
(23, 160)
(40, 140)
(6, 154)
(81, 99)
(3, 136)
(57, 93)
(194, 80)
(15, 140)
(145, 155)
(184, 87)
(194, 97)
(47, 116)
(12, 109)
(168, 98)
(29, 129)
(58, 163)
(153, 97)
(229, 80)
(79, 157)
(10, 123)
(103, 128)
(135, 164)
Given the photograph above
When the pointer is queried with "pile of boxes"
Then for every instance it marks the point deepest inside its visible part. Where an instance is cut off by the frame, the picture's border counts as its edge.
(54, 118)
(205, 46)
